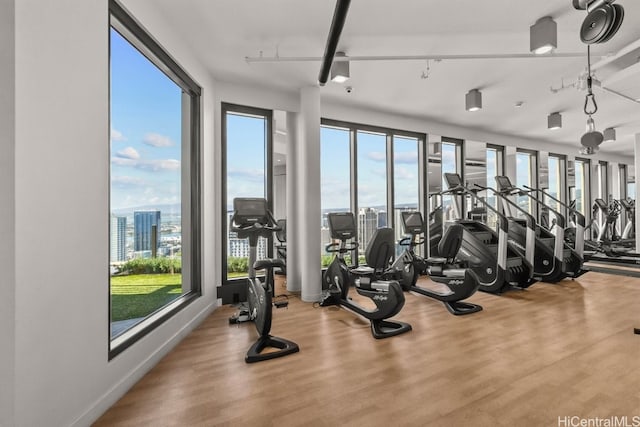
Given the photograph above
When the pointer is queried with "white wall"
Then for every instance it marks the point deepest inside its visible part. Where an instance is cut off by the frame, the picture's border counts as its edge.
(62, 372)
(7, 218)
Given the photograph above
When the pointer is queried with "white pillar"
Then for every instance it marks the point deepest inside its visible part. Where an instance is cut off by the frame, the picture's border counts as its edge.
(307, 198)
(637, 195)
(294, 247)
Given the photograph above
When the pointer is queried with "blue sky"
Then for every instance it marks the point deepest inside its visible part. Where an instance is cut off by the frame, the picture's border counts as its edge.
(145, 130)
(245, 157)
(372, 179)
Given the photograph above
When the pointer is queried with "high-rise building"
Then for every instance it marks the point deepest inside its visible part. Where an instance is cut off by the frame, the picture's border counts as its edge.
(382, 219)
(118, 238)
(143, 224)
(237, 247)
(367, 225)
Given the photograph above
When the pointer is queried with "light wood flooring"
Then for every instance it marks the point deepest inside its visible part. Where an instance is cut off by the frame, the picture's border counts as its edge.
(528, 358)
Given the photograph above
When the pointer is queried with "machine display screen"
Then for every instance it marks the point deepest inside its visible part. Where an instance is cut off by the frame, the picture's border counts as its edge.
(250, 210)
(503, 182)
(453, 179)
(342, 225)
(412, 222)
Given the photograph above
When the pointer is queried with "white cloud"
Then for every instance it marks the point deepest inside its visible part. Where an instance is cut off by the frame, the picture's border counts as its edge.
(157, 140)
(253, 175)
(128, 153)
(127, 181)
(152, 165)
(120, 161)
(406, 156)
(377, 156)
(117, 136)
(156, 165)
(402, 172)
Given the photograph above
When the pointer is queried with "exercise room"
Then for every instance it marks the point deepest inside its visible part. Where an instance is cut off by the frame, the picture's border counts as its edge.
(325, 213)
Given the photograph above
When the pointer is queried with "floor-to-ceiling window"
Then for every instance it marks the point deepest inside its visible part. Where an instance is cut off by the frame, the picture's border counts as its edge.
(451, 153)
(155, 183)
(631, 182)
(603, 180)
(406, 181)
(557, 168)
(579, 194)
(526, 175)
(372, 185)
(494, 168)
(335, 178)
(372, 171)
(247, 141)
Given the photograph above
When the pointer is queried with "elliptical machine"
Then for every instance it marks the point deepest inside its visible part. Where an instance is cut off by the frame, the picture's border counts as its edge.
(629, 206)
(251, 219)
(462, 283)
(386, 294)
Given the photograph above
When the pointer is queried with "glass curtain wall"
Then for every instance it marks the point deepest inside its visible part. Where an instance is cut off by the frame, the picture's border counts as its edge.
(247, 148)
(154, 253)
(451, 151)
(557, 172)
(372, 186)
(526, 174)
(631, 182)
(335, 179)
(494, 168)
(580, 194)
(406, 182)
(374, 172)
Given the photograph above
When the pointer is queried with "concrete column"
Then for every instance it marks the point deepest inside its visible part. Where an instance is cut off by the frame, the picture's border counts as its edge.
(307, 198)
(294, 247)
(636, 196)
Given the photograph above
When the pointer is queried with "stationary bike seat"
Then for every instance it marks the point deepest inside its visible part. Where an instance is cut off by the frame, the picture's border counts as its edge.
(268, 263)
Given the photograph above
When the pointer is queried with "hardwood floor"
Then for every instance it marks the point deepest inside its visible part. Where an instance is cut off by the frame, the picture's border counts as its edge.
(528, 358)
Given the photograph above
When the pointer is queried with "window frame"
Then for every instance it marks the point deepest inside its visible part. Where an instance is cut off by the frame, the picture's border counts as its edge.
(131, 30)
(226, 108)
(390, 133)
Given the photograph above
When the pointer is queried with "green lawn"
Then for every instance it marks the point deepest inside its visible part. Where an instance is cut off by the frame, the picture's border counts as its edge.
(141, 294)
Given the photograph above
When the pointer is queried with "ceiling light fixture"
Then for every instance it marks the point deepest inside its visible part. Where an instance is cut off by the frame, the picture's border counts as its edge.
(340, 69)
(473, 100)
(543, 36)
(609, 135)
(554, 121)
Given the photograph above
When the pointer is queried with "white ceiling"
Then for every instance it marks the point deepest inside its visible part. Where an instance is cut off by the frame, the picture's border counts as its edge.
(224, 32)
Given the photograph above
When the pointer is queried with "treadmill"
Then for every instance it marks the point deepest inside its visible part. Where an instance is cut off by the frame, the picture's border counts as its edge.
(498, 264)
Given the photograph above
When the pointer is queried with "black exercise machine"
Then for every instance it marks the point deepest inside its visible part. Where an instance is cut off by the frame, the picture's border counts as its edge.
(497, 263)
(281, 246)
(251, 219)
(462, 282)
(386, 294)
(553, 260)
